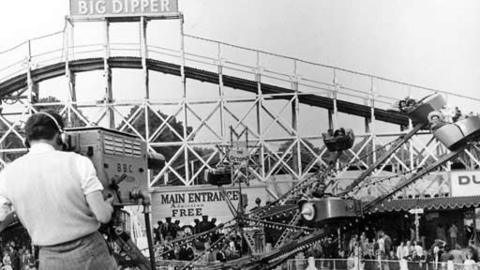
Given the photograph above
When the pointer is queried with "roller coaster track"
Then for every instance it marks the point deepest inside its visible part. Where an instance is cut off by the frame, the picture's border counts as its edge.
(126, 62)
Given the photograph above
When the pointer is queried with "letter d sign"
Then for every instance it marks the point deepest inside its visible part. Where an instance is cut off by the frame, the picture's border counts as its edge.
(463, 180)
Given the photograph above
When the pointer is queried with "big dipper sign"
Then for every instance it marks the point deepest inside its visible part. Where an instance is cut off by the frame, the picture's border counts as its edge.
(91, 9)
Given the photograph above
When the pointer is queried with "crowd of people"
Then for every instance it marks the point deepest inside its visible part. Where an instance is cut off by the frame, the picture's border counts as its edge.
(167, 246)
(379, 252)
(171, 230)
(16, 258)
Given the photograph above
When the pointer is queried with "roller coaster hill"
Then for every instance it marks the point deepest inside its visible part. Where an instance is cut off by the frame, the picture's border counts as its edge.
(337, 180)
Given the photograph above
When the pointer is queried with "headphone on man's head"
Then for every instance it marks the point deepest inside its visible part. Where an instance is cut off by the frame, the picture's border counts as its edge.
(62, 139)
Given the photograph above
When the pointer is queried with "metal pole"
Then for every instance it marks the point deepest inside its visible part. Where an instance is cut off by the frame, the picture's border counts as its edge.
(69, 75)
(146, 213)
(144, 55)
(144, 47)
(258, 79)
(107, 73)
(29, 73)
(330, 119)
(372, 117)
(221, 93)
(184, 84)
(295, 113)
(335, 109)
(474, 229)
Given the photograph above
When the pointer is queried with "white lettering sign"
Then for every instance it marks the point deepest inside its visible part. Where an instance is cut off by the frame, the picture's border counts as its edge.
(465, 183)
(86, 9)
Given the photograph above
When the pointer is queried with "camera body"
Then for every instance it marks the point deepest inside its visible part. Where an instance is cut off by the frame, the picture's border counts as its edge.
(120, 159)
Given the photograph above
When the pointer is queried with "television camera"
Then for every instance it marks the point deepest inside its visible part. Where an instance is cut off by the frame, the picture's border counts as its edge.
(122, 162)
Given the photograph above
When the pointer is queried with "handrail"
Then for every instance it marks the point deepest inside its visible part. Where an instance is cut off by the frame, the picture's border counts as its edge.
(262, 52)
(374, 76)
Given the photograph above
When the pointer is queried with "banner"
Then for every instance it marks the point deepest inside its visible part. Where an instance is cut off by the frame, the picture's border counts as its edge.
(189, 203)
(91, 9)
(465, 183)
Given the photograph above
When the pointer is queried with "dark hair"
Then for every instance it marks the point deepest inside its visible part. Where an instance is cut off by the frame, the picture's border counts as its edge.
(39, 126)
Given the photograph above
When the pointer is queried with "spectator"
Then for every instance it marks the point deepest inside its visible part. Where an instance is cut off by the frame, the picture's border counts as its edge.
(220, 256)
(209, 256)
(402, 254)
(197, 227)
(213, 224)
(6, 260)
(457, 114)
(204, 224)
(453, 230)
(15, 259)
(167, 228)
(469, 263)
(158, 232)
(311, 264)
(418, 250)
(175, 228)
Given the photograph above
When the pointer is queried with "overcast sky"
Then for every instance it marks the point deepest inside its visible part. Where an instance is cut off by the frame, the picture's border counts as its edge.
(430, 43)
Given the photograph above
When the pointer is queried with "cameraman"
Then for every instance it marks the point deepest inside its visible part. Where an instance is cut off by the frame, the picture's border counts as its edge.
(58, 199)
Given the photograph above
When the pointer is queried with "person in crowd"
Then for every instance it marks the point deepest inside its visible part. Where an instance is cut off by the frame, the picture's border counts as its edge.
(436, 119)
(14, 258)
(209, 256)
(402, 254)
(179, 253)
(196, 226)
(204, 224)
(392, 258)
(418, 250)
(453, 231)
(311, 264)
(457, 114)
(213, 224)
(258, 202)
(363, 242)
(167, 229)
(6, 258)
(169, 251)
(158, 232)
(299, 260)
(190, 252)
(58, 198)
(355, 261)
(469, 263)
(441, 234)
(175, 228)
(387, 242)
(352, 243)
(220, 256)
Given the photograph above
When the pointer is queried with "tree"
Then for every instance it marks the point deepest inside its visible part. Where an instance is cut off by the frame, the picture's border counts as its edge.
(168, 134)
(306, 156)
(74, 121)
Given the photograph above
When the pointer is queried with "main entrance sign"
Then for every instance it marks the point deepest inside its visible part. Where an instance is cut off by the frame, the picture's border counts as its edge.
(91, 9)
(189, 203)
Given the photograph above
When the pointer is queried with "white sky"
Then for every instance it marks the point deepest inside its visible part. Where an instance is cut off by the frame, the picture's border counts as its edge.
(430, 43)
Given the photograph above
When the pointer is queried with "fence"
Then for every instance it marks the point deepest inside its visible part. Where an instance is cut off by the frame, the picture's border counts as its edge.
(362, 264)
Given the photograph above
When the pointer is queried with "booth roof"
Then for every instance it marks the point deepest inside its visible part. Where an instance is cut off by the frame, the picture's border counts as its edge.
(428, 204)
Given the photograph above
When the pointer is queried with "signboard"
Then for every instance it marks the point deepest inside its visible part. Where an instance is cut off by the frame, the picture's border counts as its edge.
(416, 211)
(189, 203)
(465, 183)
(91, 9)
(238, 153)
